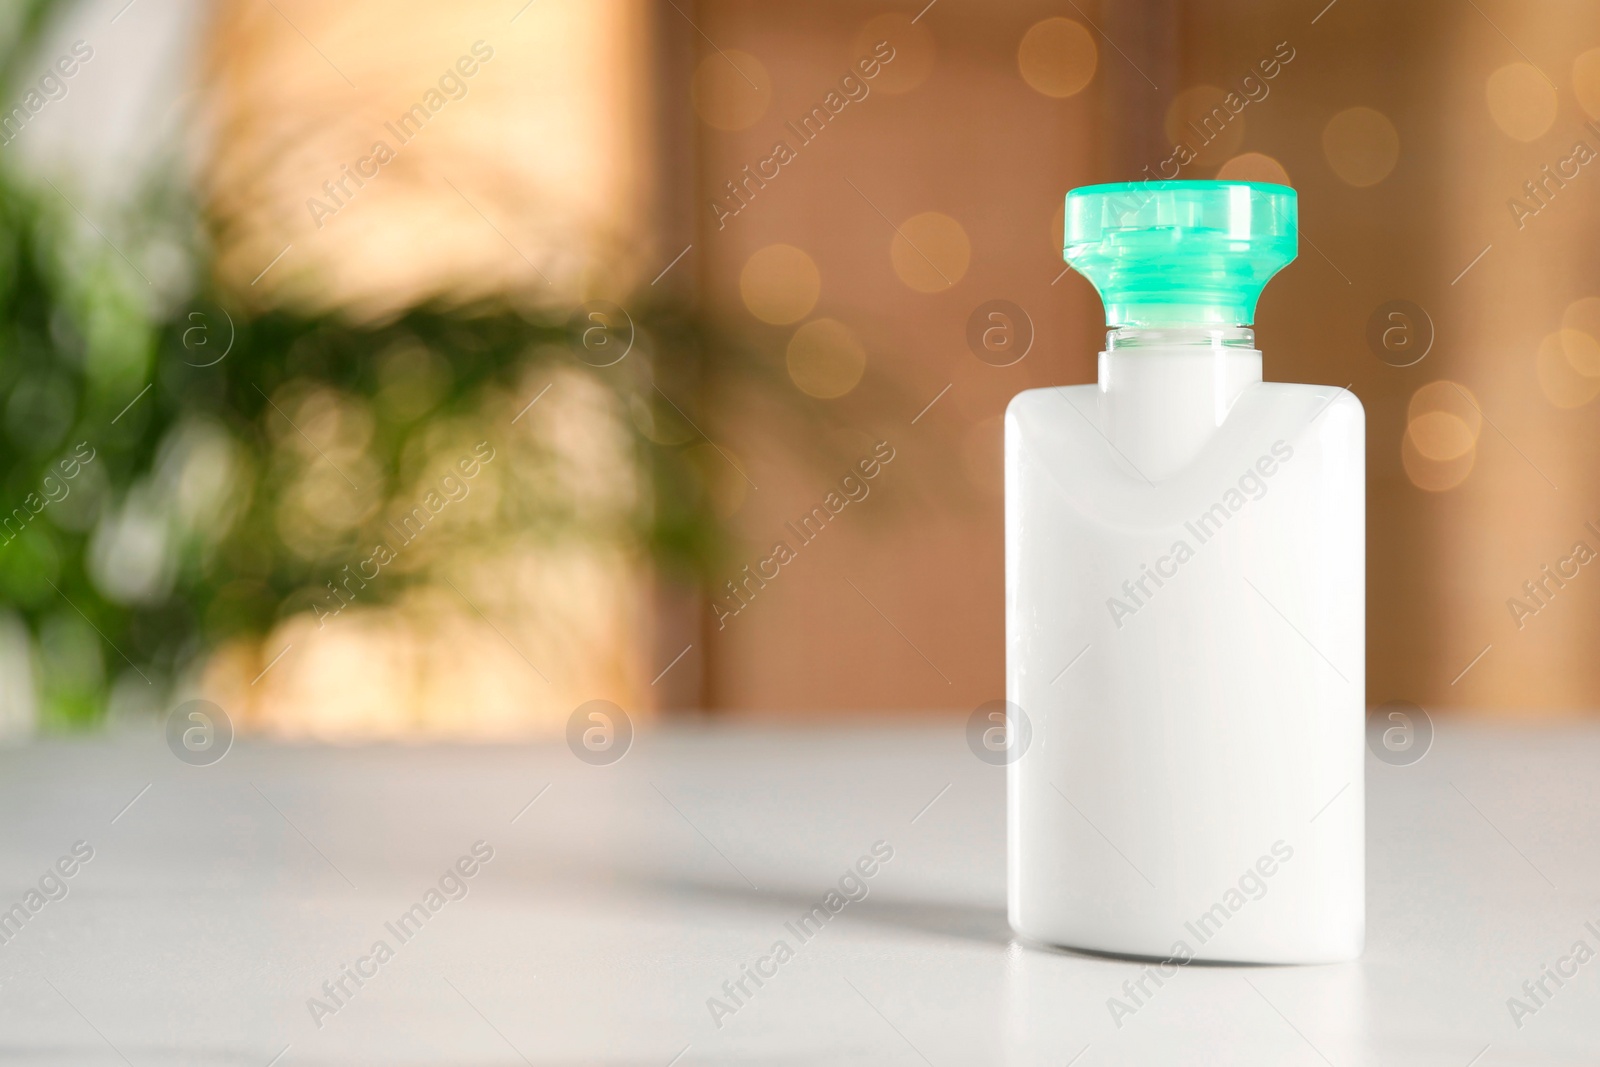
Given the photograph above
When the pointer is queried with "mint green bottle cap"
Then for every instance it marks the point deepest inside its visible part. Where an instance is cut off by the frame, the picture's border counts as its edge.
(1164, 253)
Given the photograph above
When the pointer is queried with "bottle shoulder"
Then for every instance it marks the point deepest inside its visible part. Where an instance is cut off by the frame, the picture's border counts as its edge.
(1043, 402)
(1038, 401)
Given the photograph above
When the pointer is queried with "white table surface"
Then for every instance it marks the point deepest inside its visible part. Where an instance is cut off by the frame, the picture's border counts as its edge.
(217, 904)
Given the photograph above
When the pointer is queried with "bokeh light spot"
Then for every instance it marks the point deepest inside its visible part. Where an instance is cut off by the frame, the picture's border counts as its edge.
(1580, 335)
(1446, 395)
(1253, 167)
(1582, 352)
(825, 359)
(780, 284)
(1441, 435)
(731, 90)
(1361, 145)
(1057, 57)
(930, 251)
(1586, 82)
(1433, 475)
(1521, 102)
(1562, 379)
(1439, 447)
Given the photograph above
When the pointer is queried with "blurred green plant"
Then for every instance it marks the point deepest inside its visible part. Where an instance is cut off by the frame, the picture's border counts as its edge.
(174, 480)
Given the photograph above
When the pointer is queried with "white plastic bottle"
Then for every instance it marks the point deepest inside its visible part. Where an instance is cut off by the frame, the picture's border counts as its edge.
(1185, 600)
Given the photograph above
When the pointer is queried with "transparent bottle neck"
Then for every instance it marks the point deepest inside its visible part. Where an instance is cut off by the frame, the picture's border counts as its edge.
(1201, 336)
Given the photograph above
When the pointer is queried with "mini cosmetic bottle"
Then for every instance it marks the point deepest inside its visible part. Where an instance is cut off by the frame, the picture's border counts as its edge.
(1185, 608)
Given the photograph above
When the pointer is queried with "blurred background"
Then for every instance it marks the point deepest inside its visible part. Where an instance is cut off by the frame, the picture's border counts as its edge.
(406, 370)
